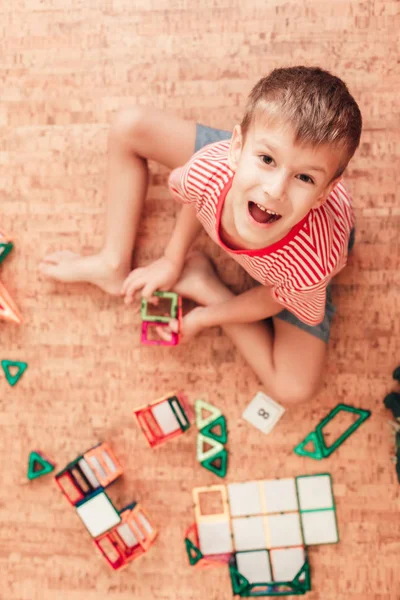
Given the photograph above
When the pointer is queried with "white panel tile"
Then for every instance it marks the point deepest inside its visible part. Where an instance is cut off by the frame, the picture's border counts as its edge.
(98, 514)
(165, 417)
(319, 527)
(263, 412)
(280, 495)
(215, 537)
(284, 530)
(249, 533)
(286, 563)
(87, 471)
(244, 499)
(315, 492)
(126, 533)
(254, 566)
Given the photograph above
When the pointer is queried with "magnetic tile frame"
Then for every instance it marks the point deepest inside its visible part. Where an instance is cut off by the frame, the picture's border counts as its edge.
(268, 515)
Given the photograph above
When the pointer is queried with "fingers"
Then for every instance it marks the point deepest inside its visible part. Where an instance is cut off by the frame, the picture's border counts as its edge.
(164, 333)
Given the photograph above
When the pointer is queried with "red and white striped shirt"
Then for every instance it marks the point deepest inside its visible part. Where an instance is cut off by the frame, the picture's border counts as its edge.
(297, 268)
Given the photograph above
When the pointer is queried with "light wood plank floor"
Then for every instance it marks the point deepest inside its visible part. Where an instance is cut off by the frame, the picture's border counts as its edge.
(65, 68)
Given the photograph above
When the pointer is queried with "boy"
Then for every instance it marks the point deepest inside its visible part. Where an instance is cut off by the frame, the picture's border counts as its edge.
(271, 197)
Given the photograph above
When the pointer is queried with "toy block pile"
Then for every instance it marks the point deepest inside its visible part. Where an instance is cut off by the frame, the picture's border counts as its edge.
(213, 434)
(261, 530)
(169, 308)
(164, 419)
(121, 536)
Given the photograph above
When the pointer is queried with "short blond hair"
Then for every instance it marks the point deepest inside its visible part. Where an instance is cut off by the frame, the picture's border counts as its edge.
(314, 102)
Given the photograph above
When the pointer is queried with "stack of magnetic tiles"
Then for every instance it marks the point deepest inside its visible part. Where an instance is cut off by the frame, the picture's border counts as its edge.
(161, 316)
(121, 536)
(213, 434)
(261, 529)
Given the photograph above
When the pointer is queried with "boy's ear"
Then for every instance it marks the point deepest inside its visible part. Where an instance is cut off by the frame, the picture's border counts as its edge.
(235, 149)
(324, 195)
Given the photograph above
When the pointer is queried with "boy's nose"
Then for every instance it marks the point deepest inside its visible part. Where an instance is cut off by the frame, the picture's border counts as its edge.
(275, 186)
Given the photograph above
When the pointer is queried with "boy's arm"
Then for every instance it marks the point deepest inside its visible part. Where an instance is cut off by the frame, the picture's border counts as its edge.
(254, 305)
(187, 228)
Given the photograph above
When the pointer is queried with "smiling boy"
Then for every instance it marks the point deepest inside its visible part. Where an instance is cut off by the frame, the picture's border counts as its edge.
(271, 197)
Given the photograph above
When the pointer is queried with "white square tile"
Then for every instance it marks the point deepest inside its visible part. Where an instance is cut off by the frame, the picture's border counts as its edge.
(284, 530)
(249, 533)
(263, 412)
(215, 537)
(126, 533)
(319, 527)
(315, 492)
(244, 499)
(280, 495)
(98, 514)
(165, 417)
(254, 566)
(286, 563)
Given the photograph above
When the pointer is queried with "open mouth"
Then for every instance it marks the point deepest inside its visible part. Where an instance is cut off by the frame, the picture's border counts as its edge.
(263, 215)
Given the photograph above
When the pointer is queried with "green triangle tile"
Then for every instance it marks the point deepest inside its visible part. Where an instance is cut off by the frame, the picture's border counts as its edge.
(363, 415)
(38, 466)
(302, 581)
(239, 581)
(220, 422)
(194, 554)
(5, 250)
(7, 364)
(211, 464)
(202, 421)
(312, 438)
(206, 454)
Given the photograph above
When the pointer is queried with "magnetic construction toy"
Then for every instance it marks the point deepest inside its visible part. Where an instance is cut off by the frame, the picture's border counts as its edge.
(121, 536)
(164, 419)
(7, 365)
(317, 440)
(262, 531)
(151, 321)
(8, 309)
(39, 465)
(213, 433)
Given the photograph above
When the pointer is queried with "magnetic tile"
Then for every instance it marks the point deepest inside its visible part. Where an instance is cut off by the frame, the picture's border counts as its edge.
(244, 499)
(215, 537)
(98, 514)
(263, 412)
(165, 417)
(249, 533)
(319, 527)
(254, 566)
(280, 495)
(284, 530)
(286, 563)
(315, 492)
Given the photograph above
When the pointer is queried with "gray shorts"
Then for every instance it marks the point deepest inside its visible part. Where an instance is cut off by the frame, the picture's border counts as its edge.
(208, 135)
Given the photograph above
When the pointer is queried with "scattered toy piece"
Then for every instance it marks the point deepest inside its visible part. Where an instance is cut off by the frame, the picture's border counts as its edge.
(213, 432)
(39, 465)
(201, 407)
(219, 436)
(7, 365)
(164, 419)
(150, 322)
(263, 412)
(316, 437)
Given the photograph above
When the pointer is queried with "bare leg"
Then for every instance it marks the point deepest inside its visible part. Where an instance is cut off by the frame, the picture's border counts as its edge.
(288, 361)
(136, 135)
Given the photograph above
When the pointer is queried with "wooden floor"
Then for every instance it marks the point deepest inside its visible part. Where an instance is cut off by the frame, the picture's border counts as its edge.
(65, 67)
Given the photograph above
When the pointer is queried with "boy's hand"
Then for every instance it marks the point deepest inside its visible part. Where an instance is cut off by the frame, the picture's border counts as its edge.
(162, 274)
(192, 324)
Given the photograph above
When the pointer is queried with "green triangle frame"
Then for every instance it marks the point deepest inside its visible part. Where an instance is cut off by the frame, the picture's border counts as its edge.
(318, 454)
(5, 249)
(13, 379)
(203, 405)
(207, 431)
(205, 455)
(222, 469)
(238, 581)
(363, 415)
(35, 458)
(190, 548)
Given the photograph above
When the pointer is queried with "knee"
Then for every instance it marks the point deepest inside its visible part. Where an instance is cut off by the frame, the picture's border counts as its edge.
(296, 391)
(129, 124)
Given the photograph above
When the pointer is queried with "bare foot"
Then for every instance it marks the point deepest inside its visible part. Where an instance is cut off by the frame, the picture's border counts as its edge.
(69, 267)
(200, 283)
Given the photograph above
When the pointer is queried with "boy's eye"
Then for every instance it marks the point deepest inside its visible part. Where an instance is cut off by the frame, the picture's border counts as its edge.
(266, 159)
(307, 178)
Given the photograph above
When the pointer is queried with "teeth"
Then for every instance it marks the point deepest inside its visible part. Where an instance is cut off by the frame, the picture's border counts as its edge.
(270, 212)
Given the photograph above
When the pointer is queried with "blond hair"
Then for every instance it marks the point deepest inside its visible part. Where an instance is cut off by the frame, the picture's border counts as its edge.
(314, 102)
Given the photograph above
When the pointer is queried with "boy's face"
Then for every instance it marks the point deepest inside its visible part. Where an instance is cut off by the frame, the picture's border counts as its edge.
(276, 184)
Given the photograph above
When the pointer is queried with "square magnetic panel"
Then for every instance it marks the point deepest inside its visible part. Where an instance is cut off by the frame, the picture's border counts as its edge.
(315, 492)
(98, 514)
(254, 566)
(280, 495)
(166, 309)
(249, 533)
(287, 562)
(210, 504)
(319, 527)
(215, 538)
(165, 417)
(284, 530)
(244, 499)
